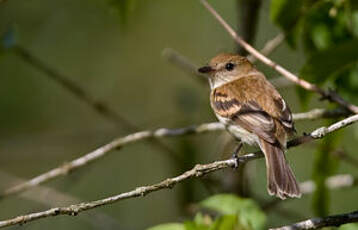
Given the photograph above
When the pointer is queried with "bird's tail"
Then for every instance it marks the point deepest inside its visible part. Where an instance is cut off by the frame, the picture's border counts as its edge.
(280, 179)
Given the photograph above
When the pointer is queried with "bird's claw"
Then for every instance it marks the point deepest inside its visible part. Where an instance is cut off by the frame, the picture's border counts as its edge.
(236, 157)
(236, 160)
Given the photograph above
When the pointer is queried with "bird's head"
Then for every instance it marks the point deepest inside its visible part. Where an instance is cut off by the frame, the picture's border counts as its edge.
(225, 68)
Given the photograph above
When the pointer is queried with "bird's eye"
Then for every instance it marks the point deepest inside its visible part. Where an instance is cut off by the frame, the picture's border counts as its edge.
(229, 66)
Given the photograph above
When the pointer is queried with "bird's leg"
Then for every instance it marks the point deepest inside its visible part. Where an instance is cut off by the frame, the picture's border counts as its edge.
(235, 155)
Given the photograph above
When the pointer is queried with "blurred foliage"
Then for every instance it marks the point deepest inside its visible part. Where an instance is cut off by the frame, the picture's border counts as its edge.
(188, 159)
(169, 226)
(123, 8)
(7, 39)
(328, 30)
(86, 42)
(348, 227)
(325, 164)
(232, 212)
(285, 14)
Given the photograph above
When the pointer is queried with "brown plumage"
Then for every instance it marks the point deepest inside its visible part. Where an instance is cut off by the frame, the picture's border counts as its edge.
(242, 97)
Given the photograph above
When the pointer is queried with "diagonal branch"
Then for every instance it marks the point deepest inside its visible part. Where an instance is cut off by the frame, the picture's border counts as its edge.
(330, 95)
(138, 136)
(320, 222)
(269, 47)
(185, 64)
(50, 197)
(198, 171)
(103, 150)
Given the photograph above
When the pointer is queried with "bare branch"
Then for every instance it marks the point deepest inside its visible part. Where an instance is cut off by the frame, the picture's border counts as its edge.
(185, 64)
(103, 150)
(51, 197)
(330, 95)
(198, 171)
(121, 141)
(189, 67)
(320, 222)
(269, 47)
(321, 132)
(320, 113)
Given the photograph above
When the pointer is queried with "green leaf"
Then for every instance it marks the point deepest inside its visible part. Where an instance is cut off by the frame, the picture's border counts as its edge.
(168, 226)
(326, 24)
(321, 36)
(227, 222)
(348, 227)
(200, 222)
(201, 219)
(324, 64)
(191, 225)
(249, 213)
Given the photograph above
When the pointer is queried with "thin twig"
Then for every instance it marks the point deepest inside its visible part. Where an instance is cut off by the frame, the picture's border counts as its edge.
(184, 63)
(330, 95)
(103, 150)
(50, 197)
(188, 66)
(320, 222)
(269, 47)
(198, 171)
(320, 113)
(121, 141)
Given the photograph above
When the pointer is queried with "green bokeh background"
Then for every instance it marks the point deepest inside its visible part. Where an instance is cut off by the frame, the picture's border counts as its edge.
(120, 62)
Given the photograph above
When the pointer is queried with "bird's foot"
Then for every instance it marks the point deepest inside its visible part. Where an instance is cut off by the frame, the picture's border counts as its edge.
(235, 155)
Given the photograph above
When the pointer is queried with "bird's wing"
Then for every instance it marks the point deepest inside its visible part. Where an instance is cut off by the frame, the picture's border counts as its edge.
(258, 109)
(284, 115)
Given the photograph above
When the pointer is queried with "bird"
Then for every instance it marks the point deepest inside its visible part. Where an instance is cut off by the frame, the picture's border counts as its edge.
(256, 114)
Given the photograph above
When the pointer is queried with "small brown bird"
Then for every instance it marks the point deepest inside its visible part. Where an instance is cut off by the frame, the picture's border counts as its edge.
(242, 98)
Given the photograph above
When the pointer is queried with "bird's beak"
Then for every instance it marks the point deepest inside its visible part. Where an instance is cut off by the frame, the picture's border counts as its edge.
(205, 69)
